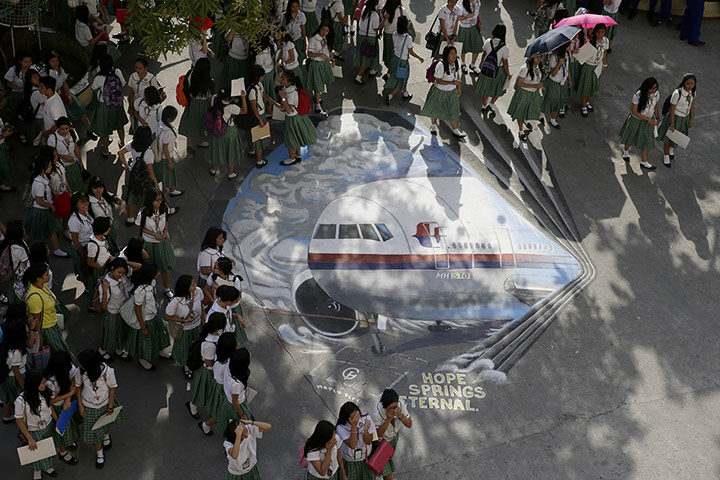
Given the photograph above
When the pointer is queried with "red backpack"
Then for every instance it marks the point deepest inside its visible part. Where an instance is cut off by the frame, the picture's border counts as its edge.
(304, 103)
(180, 92)
(359, 9)
(430, 72)
(215, 124)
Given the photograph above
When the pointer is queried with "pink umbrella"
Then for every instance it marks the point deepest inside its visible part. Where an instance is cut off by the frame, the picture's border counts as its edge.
(587, 20)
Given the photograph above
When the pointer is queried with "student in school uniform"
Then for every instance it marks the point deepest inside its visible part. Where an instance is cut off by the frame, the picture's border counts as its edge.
(256, 99)
(152, 222)
(98, 252)
(299, 131)
(32, 95)
(138, 182)
(185, 309)
(80, 225)
(526, 101)
(309, 9)
(135, 255)
(101, 205)
(288, 54)
(226, 147)
(165, 169)
(19, 258)
(236, 63)
(369, 27)
(61, 382)
(558, 84)
(86, 33)
(227, 302)
(199, 48)
(53, 108)
(294, 22)
(65, 142)
(320, 73)
(203, 382)
(201, 88)
(60, 190)
(108, 118)
(266, 60)
(40, 222)
(443, 99)
(488, 87)
(469, 26)
(138, 82)
(17, 339)
(610, 9)
(448, 19)
(339, 27)
(403, 48)
(240, 446)
(6, 170)
(588, 83)
(638, 129)
(391, 12)
(219, 408)
(388, 415)
(349, 7)
(147, 110)
(113, 295)
(356, 432)
(97, 391)
(151, 339)
(211, 249)
(15, 84)
(75, 108)
(322, 453)
(235, 383)
(680, 117)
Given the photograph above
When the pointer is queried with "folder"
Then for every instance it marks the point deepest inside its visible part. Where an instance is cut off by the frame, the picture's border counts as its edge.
(64, 418)
(107, 419)
(678, 137)
(278, 114)
(585, 53)
(45, 448)
(258, 132)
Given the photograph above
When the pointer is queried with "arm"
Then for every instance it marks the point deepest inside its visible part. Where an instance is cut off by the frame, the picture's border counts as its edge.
(285, 105)
(692, 115)
(367, 436)
(23, 428)
(96, 39)
(559, 64)
(76, 241)
(18, 376)
(111, 400)
(131, 100)
(151, 172)
(41, 201)
(121, 156)
(93, 264)
(254, 110)
(322, 467)
(672, 116)
(412, 52)
(243, 102)
(139, 315)
(78, 155)
(166, 153)
(105, 296)
(237, 407)
(505, 66)
(341, 464)
(263, 426)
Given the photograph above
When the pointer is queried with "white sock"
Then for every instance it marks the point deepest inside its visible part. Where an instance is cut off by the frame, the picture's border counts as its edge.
(390, 96)
(358, 78)
(666, 159)
(646, 164)
(106, 437)
(406, 94)
(100, 455)
(37, 474)
(193, 408)
(205, 428)
(553, 121)
(626, 154)
(672, 151)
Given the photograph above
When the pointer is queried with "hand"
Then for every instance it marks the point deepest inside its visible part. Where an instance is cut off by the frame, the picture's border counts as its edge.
(390, 413)
(672, 128)
(562, 60)
(32, 444)
(81, 409)
(188, 320)
(422, 60)
(66, 404)
(451, 42)
(386, 15)
(158, 236)
(52, 207)
(171, 166)
(239, 429)
(109, 410)
(690, 123)
(459, 91)
(367, 424)
(145, 332)
(262, 122)
(243, 93)
(331, 443)
(282, 94)
(354, 418)
(345, 477)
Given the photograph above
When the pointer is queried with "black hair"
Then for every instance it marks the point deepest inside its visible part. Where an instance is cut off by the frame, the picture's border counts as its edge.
(685, 78)
(370, 6)
(27, 84)
(468, 6)
(182, 286)
(227, 343)
(105, 65)
(33, 272)
(593, 39)
(41, 163)
(256, 73)
(345, 411)
(38, 252)
(142, 139)
(49, 82)
(98, 50)
(390, 8)
(229, 432)
(15, 334)
(292, 78)
(201, 82)
(31, 392)
(14, 235)
(97, 182)
(142, 60)
(499, 32)
(16, 311)
(322, 434)
(91, 363)
(266, 42)
(19, 57)
(211, 235)
(330, 37)
(227, 293)
(134, 249)
(143, 275)
(101, 225)
(152, 96)
(530, 63)
(82, 14)
(115, 263)
(147, 208)
(445, 61)
(403, 25)
(239, 365)
(560, 13)
(644, 89)
(61, 121)
(75, 199)
(218, 104)
(169, 114)
(288, 10)
(59, 366)
(225, 265)
(216, 321)
(388, 397)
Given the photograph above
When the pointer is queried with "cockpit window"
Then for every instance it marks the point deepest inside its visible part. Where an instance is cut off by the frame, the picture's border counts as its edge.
(325, 231)
(384, 231)
(349, 231)
(368, 232)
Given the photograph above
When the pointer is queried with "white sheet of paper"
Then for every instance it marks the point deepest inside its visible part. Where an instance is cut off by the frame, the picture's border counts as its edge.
(678, 137)
(507, 83)
(250, 395)
(278, 114)
(337, 71)
(60, 320)
(107, 419)
(36, 141)
(598, 70)
(655, 131)
(45, 448)
(237, 87)
(585, 53)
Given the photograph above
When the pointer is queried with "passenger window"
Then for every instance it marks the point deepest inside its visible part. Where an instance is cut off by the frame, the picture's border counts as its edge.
(325, 231)
(384, 231)
(349, 231)
(368, 232)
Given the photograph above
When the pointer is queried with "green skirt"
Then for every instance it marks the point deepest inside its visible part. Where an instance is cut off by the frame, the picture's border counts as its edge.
(492, 87)
(637, 133)
(388, 52)
(259, 145)
(115, 332)
(161, 254)
(298, 71)
(300, 50)
(253, 474)
(6, 171)
(106, 120)
(588, 83)
(74, 177)
(9, 113)
(226, 149)
(269, 84)
(611, 30)
(33, 129)
(181, 346)
(555, 96)
(575, 74)
(299, 131)
(192, 122)
(65, 17)
(219, 407)
(358, 470)
(219, 46)
(442, 104)
(349, 7)
(54, 338)
(239, 329)
(112, 242)
(91, 417)
(76, 261)
(393, 82)
(72, 431)
(339, 31)
(390, 465)
(681, 125)
(9, 389)
(311, 23)
(319, 76)
(570, 6)
(525, 105)
(40, 223)
(76, 109)
(203, 384)
(147, 348)
(471, 39)
(37, 435)
(93, 279)
(360, 60)
(233, 68)
(313, 477)
(164, 174)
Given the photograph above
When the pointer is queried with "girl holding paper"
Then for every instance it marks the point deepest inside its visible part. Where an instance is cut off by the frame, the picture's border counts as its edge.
(96, 384)
(402, 49)
(61, 383)
(256, 99)
(227, 149)
(16, 341)
(240, 446)
(320, 73)
(637, 131)
(680, 117)
(588, 82)
(266, 60)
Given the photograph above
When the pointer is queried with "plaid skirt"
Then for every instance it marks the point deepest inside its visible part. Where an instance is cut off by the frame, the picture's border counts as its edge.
(388, 52)
(358, 470)
(268, 84)
(253, 474)
(33, 129)
(226, 149)
(471, 39)
(112, 241)
(681, 125)
(203, 384)
(6, 171)
(40, 223)
(390, 465)
(72, 431)
(339, 31)
(254, 146)
(336, 476)
(161, 254)
(349, 7)
(9, 389)
(525, 105)
(9, 113)
(192, 122)
(575, 74)
(164, 175)
(147, 348)
(115, 332)
(311, 23)
(233, 68)
(360, 60)
(76, 109)
(393, 82)
(555, 96)
(637, 133)
(300, 49)
(106, 120)
(612, 29)
(240, 331)
(588, 83)
(299, 131)
(219, 46)
(91, 417)
(74, 177)
(37, 435)
(77, 261)
(219, 407)
(181, 346)
(54, 338)
(319, 76)
(442, 104)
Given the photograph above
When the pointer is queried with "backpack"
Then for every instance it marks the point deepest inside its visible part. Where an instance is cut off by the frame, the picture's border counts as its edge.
(430, 72)
(181, 90)
(304, 104)
(112, 91)
(301, 457)
(358, 10)
(140, 181)
(6, 268)
(215, 124)
(194, 359)
(544, 18)
(666, 104)
(489, 67)
(326, 14)
(27, 196)
(25, 111)
(247, 121)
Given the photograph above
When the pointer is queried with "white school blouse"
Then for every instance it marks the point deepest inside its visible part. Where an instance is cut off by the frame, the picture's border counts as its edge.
(369, 23)
(208, 348)
(101, 208)
(15, 358)
(232, 386)
(83, 34)
(391, 25)
(308, 5)
(337, 7)
(318, 44)
(683, 100)
(37, 101)
(649, 110)
(98, 248)
(54, 385)
(155, 222)
(92, 6)
(145, 295)
(451, 75)
(602, 46)
(34, 423)
(239, 48)
(148, 155)
(99, 81)
(536, 80)
(256, 94)
(286, 49)
(562, 74)
(449, 17)
(150, 114)
(117, 291)
(218, 369)
(379, 416)
(96, 394)
(54, 108)
(360, 451)
(265, 60)
(41, 188)
(231, 281)
(319, 455)
(82, 225)
(58, 179)
(16, 79)
(63, 145)
(19, 260)
(613, 7)
(207, 258)
(472, 21)
(402, 51)
(247, 453)
(166, 136)
(291, 97)
(294, 26)
(59, 75)
(229, 324)
(503, 52)
(138, 85)
(187, 307)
